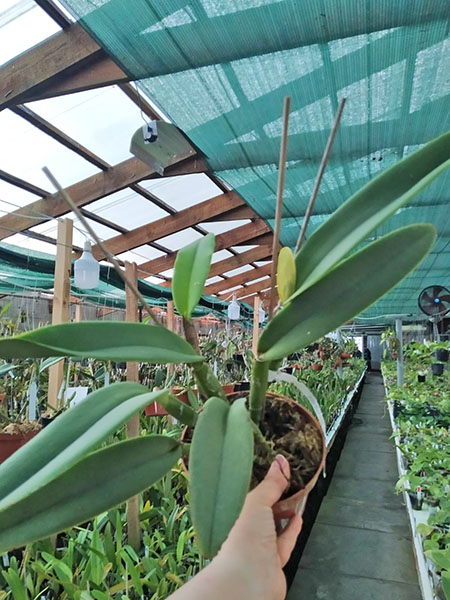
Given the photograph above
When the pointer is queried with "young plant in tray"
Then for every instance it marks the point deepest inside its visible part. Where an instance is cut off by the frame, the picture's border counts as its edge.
(61, 477)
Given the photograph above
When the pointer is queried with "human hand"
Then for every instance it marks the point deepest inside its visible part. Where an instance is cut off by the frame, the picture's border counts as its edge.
(253, 552)
(250, 562)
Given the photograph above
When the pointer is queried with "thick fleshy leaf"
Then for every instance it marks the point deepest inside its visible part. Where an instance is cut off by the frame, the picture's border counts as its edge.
(220, 466)
(190, 272)
(70, 437)
(98, 482)
(346, 291)
(285, 274)
(116, 341)
(368, 209)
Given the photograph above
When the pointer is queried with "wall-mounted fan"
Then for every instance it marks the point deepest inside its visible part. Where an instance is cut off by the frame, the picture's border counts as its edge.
(434, 300)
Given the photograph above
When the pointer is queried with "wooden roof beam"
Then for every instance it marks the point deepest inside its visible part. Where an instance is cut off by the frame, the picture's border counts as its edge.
(244, 258)
(93, 188)
(44, 63)
(240, 279)
(247, 291)
(171, 224)
(224, 240)
(235, 214)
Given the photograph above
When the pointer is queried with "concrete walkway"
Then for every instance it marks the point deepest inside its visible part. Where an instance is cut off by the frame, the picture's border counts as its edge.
(360, 546)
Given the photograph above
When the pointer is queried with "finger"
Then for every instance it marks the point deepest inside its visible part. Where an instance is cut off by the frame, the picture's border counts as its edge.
(273, 485)
(286, 541)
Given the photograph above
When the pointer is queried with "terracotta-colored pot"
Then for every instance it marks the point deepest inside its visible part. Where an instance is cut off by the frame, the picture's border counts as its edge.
(345, 355)
(157, 410)
(228, 388)
(9, 443)
(286, 507)
(2, 397)
(316, 367)
(337, 362)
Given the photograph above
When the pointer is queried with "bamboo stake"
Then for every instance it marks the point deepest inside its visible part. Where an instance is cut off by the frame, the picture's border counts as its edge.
(133, 523)
(279, 205)
(102, 246)
(323, 164)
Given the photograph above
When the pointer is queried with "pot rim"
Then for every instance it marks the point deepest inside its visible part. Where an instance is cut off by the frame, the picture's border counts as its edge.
(296, 502)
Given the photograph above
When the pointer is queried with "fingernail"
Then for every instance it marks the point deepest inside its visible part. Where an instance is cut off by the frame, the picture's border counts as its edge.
(283, 464)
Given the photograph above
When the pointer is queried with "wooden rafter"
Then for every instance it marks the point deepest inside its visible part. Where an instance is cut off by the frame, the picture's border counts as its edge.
(97, 186)
(247, 291)
(244, 258)
(224, 240)
(22, 184)
(171, 224)
(258, 240)
(240, 279)
(235, 214)
(44, 63)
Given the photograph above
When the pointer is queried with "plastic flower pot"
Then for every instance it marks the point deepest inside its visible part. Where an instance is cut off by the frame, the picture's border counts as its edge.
(345, 355)
(10, 442)
(157, 410)
(416, 502)
(316, 367)
(437, 369)
(442, 355)
(421, 378)
(294, 502)
(338, 361)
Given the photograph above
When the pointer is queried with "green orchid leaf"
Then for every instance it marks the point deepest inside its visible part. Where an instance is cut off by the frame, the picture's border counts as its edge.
(96, 483)
(220, 466)
(116, 341)
(49, 362)
(4, 369)
(286, 274)
(368, 209)
(181, 411)
(190, 273)
(346, 291)
(70, 437)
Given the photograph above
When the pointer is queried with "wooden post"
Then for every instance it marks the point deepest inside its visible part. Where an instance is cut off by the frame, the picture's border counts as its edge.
(171, 324)
(256, 307)
(134, 527)
(61, 297)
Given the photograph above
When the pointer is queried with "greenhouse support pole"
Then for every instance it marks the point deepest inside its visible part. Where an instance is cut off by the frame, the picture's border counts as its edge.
(61, 297)
(399, 334)
(256, 307)
(339, 341)
(133, 523)
(171, 326)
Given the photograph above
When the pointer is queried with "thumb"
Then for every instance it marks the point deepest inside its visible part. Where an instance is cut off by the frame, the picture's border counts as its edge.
(274, 483)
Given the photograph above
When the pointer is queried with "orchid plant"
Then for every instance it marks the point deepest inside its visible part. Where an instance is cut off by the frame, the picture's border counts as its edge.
(62, 477)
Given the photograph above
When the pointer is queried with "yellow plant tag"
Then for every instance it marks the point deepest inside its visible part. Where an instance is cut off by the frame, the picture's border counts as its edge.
(286, 274)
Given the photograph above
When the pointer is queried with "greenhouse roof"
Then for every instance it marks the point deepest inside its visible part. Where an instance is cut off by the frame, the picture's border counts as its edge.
(219, 69)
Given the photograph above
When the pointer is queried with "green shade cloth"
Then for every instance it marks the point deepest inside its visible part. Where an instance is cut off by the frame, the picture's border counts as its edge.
(221, 68)
(24, 271)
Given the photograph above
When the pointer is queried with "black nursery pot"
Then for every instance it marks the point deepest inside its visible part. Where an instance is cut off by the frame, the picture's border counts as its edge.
(416, 503)
(437, 369)
(397, 408)
(421, 378)
(442, 355)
